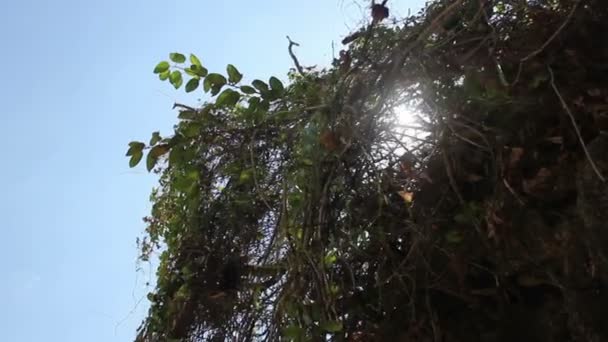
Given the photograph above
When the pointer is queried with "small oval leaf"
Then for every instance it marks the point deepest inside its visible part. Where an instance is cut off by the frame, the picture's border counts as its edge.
(248, 90)
(276, 84)
(177, 57)
(192, 85)
(135, 158)
(260, 85)
(161, 67)
(164, 75)
(176, 79)
(195, 61)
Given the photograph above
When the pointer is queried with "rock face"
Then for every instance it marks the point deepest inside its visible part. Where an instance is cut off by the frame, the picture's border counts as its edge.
(593, 198)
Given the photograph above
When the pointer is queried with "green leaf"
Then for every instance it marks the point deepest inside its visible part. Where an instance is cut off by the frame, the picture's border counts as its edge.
(276, 84)
(155, 138)
(135, 158)
(216, 79)
(161, 67)
(330, 259)
(234, 76)
(260, 85)
(176, 79)
(154, 154)
(206, 85)
(134, 147)
(195, 61)
(228, 98)
(164, 75)
(191, 72)
(332, 326)
(199, 70)
(248, 90)
(214, 82)
(192, 85)
(177, 57)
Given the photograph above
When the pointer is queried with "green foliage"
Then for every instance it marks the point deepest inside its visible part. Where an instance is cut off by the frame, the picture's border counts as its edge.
(177, 57)
(135, 152)
(192, 85)
(176, 79)
(234, 76)
(260, 85)
(155, 138)
(248, 90)
(228, 98)
(302, 210)
(214, 83)
(161, 67)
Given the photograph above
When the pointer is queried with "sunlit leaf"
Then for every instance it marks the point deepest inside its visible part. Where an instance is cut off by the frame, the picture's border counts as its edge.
(177, 57)
(161, 67)
(176, 79)
(195, 61)
(164, 75)
(408, 197)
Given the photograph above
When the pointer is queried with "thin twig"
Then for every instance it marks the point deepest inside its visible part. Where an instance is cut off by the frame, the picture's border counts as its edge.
(448, 170)
(293, 55)
(576, 129)
(179, 105)
(512, 191)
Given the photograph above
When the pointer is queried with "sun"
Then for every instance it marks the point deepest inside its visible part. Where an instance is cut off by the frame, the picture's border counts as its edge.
(406, 116)
(408, 129)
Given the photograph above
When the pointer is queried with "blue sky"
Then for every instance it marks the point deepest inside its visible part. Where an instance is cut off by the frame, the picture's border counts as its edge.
(77, 87)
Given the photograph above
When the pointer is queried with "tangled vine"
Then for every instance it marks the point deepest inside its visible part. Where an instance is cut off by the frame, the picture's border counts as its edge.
(308, 211)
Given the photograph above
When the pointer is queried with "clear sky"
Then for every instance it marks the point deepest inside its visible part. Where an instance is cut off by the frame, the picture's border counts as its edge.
(78, 86)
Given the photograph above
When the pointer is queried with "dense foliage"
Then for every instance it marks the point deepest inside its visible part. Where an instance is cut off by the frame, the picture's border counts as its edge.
(307, 211)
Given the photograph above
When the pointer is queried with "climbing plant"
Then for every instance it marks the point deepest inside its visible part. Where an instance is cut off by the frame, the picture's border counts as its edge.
(305, 210)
